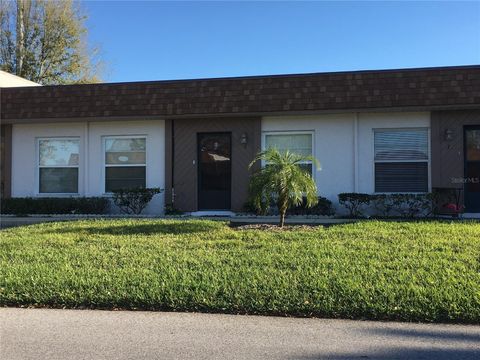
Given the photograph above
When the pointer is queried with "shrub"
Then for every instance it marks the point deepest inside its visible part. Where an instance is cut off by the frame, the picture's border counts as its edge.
(446, 201)
(133, 201)
(383, 204)
(170, 209)
(354, 202)
(250, 208)
(71, 205)
(412, 205)
(404, 205)
(323, 207)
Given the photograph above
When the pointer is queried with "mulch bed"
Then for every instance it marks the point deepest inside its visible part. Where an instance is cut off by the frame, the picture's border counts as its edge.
(272, 227)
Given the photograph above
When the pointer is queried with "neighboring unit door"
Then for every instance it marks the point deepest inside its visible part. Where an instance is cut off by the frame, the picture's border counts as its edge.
(214, 171)
(472, 168)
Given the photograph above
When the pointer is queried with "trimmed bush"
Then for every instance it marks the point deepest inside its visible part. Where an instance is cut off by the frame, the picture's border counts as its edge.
(403, 205)
(354, 202)
(71, 205)
(323, 207)
(249, 207)
(170, 209)
(133, 201)
(384, 205)
(388, 205)
(412, 205)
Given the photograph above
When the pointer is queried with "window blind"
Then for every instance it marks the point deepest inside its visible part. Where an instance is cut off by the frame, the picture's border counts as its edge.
(401, 177)
(297, 143)
(401, 144)
(401, 160)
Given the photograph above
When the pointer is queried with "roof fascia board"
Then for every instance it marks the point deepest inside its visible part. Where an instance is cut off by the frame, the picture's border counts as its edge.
(237, 115)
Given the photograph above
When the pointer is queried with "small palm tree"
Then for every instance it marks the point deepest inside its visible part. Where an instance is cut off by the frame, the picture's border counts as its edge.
(282, 181)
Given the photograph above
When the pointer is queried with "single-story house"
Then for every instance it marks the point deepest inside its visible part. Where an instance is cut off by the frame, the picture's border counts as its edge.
(381, 131)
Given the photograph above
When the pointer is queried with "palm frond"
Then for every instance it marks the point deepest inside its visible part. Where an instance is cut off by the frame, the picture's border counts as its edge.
(282, 180)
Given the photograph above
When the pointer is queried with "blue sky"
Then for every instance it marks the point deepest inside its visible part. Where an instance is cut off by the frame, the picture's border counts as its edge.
(178, 40)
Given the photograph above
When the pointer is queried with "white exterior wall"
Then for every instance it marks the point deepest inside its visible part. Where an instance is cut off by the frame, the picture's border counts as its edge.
(333, 147)
(91, 165)
(344, 145)
(25, 155)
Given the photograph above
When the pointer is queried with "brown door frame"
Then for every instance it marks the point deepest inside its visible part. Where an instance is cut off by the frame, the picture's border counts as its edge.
(198, 170)
(6, 159)
(465, 169)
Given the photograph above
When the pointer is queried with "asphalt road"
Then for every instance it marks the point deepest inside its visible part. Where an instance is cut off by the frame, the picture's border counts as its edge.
(85, 334)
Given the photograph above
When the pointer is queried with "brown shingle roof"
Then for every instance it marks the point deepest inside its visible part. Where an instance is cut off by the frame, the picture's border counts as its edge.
(361, 90)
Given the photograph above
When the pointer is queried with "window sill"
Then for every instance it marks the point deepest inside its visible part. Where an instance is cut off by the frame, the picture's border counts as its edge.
(401, 193)
(63, 195)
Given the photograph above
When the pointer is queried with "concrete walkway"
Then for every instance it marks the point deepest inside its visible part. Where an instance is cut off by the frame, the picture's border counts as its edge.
(86, 334)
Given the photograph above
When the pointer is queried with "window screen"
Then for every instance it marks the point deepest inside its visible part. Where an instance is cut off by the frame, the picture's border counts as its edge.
(296, 143)
(58, 165)
(125, 163)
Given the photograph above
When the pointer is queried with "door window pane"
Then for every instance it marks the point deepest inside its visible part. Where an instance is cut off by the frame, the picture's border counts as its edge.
(473, 145)
(214, 171)
(473, 177)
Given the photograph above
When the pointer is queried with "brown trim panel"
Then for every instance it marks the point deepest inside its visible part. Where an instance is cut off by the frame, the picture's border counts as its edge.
(185, 157)
(6, 161)
(448, 146)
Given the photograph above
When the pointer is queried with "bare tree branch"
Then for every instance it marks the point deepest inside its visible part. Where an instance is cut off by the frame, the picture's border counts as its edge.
(47, 43)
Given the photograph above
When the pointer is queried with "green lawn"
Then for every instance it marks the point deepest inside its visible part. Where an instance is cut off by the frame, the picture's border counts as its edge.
(424, 271)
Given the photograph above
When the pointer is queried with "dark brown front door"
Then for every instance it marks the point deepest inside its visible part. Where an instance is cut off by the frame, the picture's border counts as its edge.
(214, 171)
(472, 168)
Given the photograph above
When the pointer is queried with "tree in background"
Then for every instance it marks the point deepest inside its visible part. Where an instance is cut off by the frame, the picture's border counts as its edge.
(282, 181)
(46, 42)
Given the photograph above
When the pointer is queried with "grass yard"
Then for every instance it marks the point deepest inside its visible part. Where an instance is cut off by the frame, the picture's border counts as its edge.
(416, 271)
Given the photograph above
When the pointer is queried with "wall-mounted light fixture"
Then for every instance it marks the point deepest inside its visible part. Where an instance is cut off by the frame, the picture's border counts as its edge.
(243, 139)
(448, 135)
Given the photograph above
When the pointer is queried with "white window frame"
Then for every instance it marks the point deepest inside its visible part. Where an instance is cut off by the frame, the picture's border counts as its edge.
(38, 166)
(105, 165)
(428, 160)
(290, 132)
